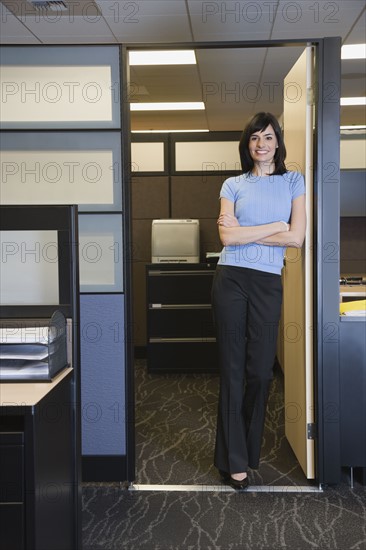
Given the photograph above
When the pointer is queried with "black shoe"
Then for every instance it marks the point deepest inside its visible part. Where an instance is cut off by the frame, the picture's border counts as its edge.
(238, 485)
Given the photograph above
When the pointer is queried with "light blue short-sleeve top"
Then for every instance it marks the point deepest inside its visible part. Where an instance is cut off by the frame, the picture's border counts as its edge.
(260, 200)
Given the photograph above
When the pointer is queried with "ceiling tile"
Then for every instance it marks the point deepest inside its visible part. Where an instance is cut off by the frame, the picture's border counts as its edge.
(308, 19)
(353, 115)
(229, 84)
(52, 27)
(165, 83)
(168, 120)
(12, 31)
(353, 66)
(358, 33)
(222, 64)
(147, 21)
(353, 78)
(77, 31)
(20, 8)
(227, 21)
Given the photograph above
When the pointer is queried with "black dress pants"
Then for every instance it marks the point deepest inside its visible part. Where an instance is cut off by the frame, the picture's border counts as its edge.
(247, 308)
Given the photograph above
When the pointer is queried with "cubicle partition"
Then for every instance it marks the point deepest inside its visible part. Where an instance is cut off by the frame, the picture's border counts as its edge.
(40, 504)
(61, 143)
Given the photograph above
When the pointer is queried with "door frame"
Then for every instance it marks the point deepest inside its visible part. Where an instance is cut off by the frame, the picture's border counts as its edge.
(327, 231)
(326, 221)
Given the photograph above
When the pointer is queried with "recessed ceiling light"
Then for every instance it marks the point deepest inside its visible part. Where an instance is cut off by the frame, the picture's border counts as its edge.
(353, 101)
(353, 127)
(163, 57)
(354, 51)
(165, 131)
(169, 106)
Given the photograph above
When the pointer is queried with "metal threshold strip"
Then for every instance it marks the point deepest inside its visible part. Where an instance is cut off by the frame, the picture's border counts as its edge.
(227, 489)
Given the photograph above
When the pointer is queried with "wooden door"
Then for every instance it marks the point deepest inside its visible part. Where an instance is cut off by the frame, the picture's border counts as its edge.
(297, 322)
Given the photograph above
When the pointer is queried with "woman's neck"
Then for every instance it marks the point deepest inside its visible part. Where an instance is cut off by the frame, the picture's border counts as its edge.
(262, 169)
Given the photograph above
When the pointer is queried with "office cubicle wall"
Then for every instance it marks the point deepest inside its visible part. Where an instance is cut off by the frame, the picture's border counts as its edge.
(61, 143)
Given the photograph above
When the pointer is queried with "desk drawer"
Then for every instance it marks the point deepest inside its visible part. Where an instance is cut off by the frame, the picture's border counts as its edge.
(182, 322)
(177, 287)
(12, 526)
(182, 356)
(11, 473)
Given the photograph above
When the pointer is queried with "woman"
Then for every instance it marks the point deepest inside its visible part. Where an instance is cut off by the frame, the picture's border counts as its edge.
(262, 211)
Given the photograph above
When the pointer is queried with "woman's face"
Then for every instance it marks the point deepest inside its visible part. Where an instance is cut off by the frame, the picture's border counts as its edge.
(262, 145)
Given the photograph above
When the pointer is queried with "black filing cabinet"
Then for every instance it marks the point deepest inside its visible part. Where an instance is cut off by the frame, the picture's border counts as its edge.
(37, 480)
(12, 483)
(180, 329)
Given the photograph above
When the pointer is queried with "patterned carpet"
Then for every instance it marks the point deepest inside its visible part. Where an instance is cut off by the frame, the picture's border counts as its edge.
(115, 518)
(175, 432)
(175, 426)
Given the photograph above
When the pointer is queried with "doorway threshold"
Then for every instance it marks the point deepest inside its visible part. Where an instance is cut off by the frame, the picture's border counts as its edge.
(227, 488)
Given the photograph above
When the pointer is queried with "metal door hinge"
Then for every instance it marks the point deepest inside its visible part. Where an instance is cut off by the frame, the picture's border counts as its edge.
(311, 431)
(310, 99)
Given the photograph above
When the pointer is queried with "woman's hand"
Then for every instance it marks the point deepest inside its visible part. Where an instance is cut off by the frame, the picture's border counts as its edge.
(285, 225)
(227, 220)
(232, 233)
(294, 233)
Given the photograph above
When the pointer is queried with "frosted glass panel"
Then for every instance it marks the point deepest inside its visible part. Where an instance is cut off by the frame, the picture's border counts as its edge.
(29, 268)
(353, 153)
(56, 177)
(73, 93)
(60, 87)
(147, 157)
(100, 253)
(81, 168)
(207, 156)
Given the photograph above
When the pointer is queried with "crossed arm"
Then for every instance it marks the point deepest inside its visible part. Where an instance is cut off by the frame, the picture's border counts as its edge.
(271, 234)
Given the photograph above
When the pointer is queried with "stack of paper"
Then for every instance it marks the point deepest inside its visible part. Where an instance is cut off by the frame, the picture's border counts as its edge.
(32, 349)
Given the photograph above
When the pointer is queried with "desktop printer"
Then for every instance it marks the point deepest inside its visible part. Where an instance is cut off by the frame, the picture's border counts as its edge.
(175, 241)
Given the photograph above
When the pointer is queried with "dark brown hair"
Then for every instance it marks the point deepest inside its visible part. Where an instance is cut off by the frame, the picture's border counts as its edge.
(258, 123)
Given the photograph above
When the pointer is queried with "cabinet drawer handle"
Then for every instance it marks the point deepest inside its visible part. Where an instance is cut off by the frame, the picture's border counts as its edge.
(201, 340)
(180, 306)
(177, 272)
